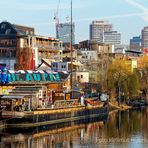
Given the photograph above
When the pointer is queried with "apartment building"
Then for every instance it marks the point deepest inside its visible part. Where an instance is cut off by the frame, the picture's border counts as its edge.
(20, 48)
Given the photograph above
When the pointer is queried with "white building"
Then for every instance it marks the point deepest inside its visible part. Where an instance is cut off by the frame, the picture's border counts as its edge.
(97, 28)
(65, 66)
(111, 37)
(144, 39)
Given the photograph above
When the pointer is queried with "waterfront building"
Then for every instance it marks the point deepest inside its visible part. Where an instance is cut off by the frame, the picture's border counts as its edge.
(63, 33)
(135, 43)
(10, 35)
(144, 38)
(20, 48)
(97, 28)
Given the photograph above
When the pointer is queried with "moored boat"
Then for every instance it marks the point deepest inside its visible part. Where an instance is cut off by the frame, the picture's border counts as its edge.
(37, 98)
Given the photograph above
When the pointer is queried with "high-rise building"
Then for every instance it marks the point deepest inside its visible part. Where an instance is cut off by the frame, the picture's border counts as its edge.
(135, 43)
(63, 32)
(97, 28)
(111, 37)
(144, 38)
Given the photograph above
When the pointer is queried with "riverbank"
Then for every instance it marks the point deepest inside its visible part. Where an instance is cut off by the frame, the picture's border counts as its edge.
(122, 106)
(114, 105)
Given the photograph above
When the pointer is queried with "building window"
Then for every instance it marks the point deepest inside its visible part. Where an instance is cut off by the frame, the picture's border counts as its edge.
(3, 26)
(81, 76)
(8, 31)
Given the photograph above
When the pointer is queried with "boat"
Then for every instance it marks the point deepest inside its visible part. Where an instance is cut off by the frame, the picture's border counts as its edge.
(27, 101)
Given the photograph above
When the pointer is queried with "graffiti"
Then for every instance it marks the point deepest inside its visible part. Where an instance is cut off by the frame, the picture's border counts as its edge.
(7, 76)
(4, 90)
(29, 77)
(4, 77)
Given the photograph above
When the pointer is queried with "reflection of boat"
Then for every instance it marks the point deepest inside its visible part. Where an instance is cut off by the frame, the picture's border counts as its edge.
(54, 134)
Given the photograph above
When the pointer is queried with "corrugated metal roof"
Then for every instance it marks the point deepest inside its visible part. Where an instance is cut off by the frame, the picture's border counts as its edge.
(11, 97)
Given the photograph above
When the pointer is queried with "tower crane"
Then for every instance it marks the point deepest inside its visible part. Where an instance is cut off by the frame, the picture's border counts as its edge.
(56, 18)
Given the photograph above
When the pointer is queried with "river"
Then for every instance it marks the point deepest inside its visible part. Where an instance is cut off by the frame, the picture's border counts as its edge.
(121, 129)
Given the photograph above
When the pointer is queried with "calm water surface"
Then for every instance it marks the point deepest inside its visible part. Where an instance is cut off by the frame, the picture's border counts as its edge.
(121, 129)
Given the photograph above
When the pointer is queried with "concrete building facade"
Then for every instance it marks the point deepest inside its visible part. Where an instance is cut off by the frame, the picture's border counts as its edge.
(111, 37)
(97, 28)
(144, 38)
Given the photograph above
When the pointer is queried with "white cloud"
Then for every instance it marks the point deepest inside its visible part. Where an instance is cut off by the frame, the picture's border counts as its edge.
(110, 17)
(141, 7)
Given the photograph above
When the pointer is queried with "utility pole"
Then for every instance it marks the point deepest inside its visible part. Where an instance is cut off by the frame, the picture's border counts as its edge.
(71, 81)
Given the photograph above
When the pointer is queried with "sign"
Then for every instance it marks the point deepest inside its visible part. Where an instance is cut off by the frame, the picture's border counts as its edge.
(66, 103)
(8, 76)
(29, 77)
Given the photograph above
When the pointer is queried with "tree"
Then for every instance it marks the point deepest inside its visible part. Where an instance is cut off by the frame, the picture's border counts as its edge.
(121, 80)
(143, 74)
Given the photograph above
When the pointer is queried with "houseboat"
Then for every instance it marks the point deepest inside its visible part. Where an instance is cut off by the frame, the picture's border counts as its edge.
(35, 98)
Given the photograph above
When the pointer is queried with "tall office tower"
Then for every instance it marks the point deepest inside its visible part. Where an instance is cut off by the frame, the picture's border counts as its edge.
(111, 37)
(97, 28)
(144, 38)
(135, 43)
(63, 32)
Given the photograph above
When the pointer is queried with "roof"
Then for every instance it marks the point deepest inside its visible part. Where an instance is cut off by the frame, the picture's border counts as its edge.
(11, 97)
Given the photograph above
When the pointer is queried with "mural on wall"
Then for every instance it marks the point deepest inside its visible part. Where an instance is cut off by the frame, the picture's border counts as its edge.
(24, 57)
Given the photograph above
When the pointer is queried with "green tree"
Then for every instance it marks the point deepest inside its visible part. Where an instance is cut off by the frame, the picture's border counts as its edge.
(143, 74)
(121, 80)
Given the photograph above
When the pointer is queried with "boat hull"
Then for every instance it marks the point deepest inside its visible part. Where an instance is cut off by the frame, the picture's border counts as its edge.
(45, 117)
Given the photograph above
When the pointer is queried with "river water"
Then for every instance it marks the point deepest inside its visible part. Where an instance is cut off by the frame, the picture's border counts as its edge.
(120, 129)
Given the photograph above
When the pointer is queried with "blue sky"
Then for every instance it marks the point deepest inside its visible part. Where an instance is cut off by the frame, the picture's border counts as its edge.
(127, 16)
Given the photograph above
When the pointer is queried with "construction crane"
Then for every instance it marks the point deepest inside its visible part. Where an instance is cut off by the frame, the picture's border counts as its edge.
(56, 18)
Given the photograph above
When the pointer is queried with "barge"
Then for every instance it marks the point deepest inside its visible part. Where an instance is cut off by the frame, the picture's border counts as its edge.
(36, 98)
(54, 116)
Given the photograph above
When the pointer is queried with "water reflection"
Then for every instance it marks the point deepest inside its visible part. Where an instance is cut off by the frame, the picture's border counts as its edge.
(122, 129)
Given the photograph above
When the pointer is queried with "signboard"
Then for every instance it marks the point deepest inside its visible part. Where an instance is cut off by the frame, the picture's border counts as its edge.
(29, 76)
(66, 103)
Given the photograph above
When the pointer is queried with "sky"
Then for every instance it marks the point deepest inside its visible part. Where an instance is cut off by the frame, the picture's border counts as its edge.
(127, 16)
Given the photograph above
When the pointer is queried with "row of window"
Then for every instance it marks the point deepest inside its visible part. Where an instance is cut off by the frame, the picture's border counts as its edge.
(10, 42)
(62, 66)
(6, 53)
